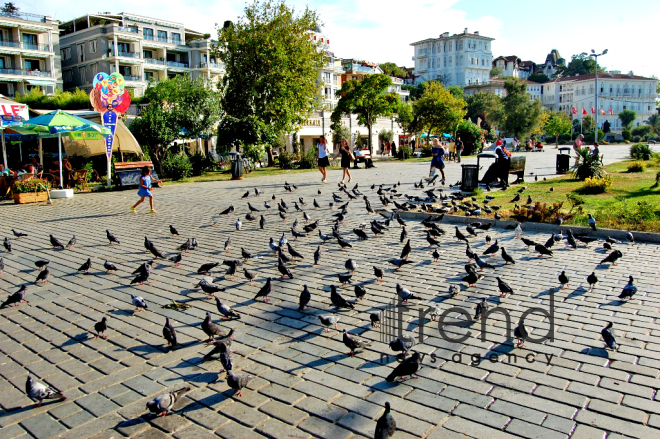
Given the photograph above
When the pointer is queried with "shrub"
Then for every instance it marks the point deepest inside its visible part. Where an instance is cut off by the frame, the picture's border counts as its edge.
(32, 185)
(574, 200)
(470, 135)
(588, 165)
(636, 139)
(637, 166)
(541, 213)
(427, 150)
(254, 152)
(627, 135)
(640, 151)
(596, 185)
(405, 152)
(201, 163)
(308, 159)
(177, 166)
(285, 159)
(642, 130)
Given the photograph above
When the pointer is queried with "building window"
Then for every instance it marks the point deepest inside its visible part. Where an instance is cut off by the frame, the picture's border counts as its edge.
(81, 52)
(92, 46)
(30, 41)
(176, 38)
(66, 53)
(162, 36)
(125, 70)
(82, 72)
(149, 76)
(68, 76)
(148, 54)
(2, 63)
(124, 47)
(148, 33)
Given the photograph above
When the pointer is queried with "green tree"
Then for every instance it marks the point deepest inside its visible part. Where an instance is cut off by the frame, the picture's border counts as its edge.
(416, 91)
(518, 115)
(588, 124)
(456, 91)
(496, 71)
(627, 118)
(391, 69)
(438, 110)
(480, 105)
(654, 122)
(471, 136)
(10, 9)
(367, 98)
(404, 116)
(339, 133)
(175, 106)
(580, 65)
(538, 77)
(272, 67)
(558, 124)
(385, 136)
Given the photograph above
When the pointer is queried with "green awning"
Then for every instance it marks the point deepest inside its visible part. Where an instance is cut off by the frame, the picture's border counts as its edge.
(39, 82)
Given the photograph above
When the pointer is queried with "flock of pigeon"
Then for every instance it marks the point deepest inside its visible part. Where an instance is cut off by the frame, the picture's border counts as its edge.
(285, 252)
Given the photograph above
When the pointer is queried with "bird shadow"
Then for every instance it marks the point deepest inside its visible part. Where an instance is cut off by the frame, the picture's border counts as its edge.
(545, 293)
(579, 291)
(617, 302)
(596, 352)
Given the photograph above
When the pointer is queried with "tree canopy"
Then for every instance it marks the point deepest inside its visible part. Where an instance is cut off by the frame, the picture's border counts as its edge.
(627, 118)
(518, 115)
(272, 68)
(438, 110)
(480, 105)
(391, 69)
(404, 116)
(367, 98)
(558, 124)
(496, 71)
(580, 65)
(538, 77)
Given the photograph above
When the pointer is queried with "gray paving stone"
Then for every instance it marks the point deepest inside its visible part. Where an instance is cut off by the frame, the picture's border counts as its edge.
(42, 425)
(525, 429)
(320, 428)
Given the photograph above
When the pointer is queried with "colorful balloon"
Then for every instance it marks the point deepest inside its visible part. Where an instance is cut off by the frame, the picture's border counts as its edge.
(108, 93)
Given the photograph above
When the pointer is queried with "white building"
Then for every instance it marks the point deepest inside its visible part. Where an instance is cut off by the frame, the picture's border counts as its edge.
(616, 92)
(514, 66)
(459, 59)
(496, 86)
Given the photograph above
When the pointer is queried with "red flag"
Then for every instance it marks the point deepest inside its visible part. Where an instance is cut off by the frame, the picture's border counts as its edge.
(584, 111)
(574, 110)
(611, 112)
(602, 111)
(593, 110)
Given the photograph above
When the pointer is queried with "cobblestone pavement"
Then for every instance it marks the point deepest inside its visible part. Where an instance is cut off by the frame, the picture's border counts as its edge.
(306, 385)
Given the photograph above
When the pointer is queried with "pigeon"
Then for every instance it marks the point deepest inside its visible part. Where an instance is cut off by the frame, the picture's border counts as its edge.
(608, 337)
(210, 328)
(493, 249)
(375, 319)
(38, 392)
(471, 230)
(504, 288)
(436, 255)
(469, 253)
(629, 290)
(360, 292)
(221, 345)
(563, 280)
(351, 265)
(361, 234)
(274, 247)
(344, 278)
(245, 254)
(378, 272)
(305, 297)
(250, 217)
(249, 275)
(265, 290)
(607, 246)
(163, 404)
(209, 288)
(16, 298)
(283, 240)
(56, 243)
(154, 251)
(630, 238)
(18, 235)
(72, 242)
(40, 264)
(454, 289)
(399, 262)
(520, 333)
(337, 300)
(507, 258)
(386, 425)
(329, 320)
(353, 343)
(482, 264)
(246, 194)
(317, 255)
(528, 242)
(571, 239)
(405, 252)
(592, 222)
(471, 279)
(343, 244)
(169, 333)
(194, 244)
(292, 252)
(100, 327)
(227, 312)
(238, 382)
(543, 251)
(480, 309)
(252, 208)
(185, 246)
(403, 344)
(112, 238)
(592, 280)
(518, 231)
(612, 257)
(205, 268)
(436, 313)
(176, 259)
(405, 295)
(432, 242)
(460, 236)
(283, 269)
(238, 224)
(139, 303)
(86, 266)
(43, 276)
(228, 210)
(2, 265)
(408, 367)
(515, 199)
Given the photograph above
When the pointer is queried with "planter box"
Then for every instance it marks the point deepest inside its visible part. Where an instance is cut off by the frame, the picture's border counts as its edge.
(30, 197)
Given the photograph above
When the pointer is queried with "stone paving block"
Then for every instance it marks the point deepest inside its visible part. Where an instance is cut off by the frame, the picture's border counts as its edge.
(525, 429)
(517, 411)
(42, 425)
(97, 404)
(243, 414)
(274, 428)
(617, 411)
(283, 412)
(282, 394)
(613, 425)
(233, 430)
(583, 431)
(357, 424)
(13, 432)
(481, 416)
(320, 428)
(170, 423)
(562, 425)
(77, 419)
(467, 427)
(321, 409)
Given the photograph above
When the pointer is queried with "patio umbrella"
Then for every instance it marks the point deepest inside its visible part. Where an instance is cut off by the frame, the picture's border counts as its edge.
(11, 113)
(60, 122)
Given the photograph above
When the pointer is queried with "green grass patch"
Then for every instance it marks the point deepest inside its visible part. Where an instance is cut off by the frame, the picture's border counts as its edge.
(630, 203)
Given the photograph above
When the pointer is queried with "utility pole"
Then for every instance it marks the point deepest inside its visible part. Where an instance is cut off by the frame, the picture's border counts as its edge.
(595, 56)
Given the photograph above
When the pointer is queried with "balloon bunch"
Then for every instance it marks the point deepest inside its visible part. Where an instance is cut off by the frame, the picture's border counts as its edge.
(108, 93)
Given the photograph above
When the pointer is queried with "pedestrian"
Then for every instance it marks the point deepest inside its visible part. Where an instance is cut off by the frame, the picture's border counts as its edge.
(145, 190)
(459, 149)
(393, 150)
(503, 163)
(346, 158)
(437, 160)
(577, 145)
(388, 148)
(515, 143)
(382, 148)
(322, 155)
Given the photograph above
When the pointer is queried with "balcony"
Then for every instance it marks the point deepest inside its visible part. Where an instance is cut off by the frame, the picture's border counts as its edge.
(131, 29)
(24, 72)
(154, 61)
(128, 54)
(148, 37)
(178, 41)
(132, 78)
(162, 39)
(24, 16)
(177, 64)
(211, 65)
(26, 46)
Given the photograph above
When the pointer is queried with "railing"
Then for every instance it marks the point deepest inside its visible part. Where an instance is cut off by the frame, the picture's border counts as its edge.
(24, 16)
(177, 64)
(148, 37)
(154, 61)
(28, 46)
(128, 54)
(212, 65)
(25, 72)
(177, 41)
(132, 78)
(131, 29)
(162, 39)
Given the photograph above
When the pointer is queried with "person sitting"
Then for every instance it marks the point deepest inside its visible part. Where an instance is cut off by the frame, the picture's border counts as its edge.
(539, 146)
(596, 152)
(358, 154)
(5, 172)
(503, 163)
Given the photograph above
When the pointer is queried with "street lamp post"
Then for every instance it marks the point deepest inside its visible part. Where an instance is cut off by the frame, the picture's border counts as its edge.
(595, 56)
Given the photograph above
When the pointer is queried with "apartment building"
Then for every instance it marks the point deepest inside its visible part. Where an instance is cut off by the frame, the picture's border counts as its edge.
(142, 49)
(616, 92)
(28, 53)
(459, 59)
(514, 66)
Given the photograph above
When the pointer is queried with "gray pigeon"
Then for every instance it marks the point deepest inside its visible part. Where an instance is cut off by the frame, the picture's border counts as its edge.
(38, 392)
(139, 303)
(238, 382)
(163, 404)
(329, 321)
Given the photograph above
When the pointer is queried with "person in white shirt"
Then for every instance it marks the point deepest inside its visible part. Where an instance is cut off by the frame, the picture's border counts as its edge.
(323, 161)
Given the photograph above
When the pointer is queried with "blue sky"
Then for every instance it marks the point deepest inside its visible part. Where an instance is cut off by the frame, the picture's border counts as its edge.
(382, 30)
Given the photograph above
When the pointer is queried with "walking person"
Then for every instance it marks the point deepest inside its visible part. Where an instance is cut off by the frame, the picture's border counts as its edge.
(145, 190)
(437, 162)
(459, 149)
(393, 149)
(323, 161)
(346, 158)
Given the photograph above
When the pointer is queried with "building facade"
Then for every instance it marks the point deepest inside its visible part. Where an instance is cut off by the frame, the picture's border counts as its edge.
(28, 53)
(514, 66)
(142, 49)
(616, 92)
(496, 86)
(460, 59)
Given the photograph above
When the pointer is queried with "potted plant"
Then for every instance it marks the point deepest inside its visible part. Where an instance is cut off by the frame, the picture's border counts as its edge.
(30, 191)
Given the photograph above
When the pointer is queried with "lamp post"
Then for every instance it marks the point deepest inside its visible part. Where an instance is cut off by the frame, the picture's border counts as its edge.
(595, 56)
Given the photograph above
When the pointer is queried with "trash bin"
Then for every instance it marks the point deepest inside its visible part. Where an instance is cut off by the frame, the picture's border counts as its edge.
(236, 165)
(469, 178)
(563, 160)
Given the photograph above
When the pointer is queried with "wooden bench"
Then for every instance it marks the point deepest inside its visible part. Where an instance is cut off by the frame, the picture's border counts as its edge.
(129, 173)
(517, 168)
(364, 158)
